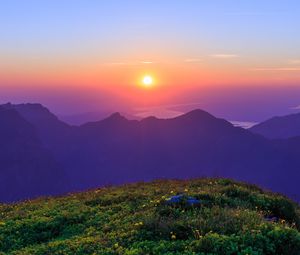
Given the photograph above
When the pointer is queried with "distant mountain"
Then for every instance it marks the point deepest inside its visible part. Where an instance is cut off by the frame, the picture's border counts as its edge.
(80, 119)
(49, 128)
(26, 168)
(117, 150)
(191, 145)
(279, 127)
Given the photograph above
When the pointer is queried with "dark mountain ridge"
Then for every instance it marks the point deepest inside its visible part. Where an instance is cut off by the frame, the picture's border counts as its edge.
(27, 169)
(279, 127)
(116, 150)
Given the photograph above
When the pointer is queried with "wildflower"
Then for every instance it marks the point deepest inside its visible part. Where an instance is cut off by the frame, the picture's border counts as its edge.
(197, 234)
(163, 197)
(173, 237)
(186, 190)
(116, 245)
(171, 191)
(2, 223)
(141, 223)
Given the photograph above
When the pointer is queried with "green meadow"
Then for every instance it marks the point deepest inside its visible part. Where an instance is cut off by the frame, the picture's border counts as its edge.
(232, 218)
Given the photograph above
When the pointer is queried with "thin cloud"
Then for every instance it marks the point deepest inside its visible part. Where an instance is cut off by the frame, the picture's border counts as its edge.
(295, 107)
(294, 61)
(243, 124)
(224, 56)
(166, 106)
(193, 60)
(159, 113)
(284, 69)
(146, 62)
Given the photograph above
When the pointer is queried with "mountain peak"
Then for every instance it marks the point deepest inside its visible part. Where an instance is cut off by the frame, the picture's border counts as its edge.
(197, 113)
(150, 118)
(116, 116)
(279, 127)
(32, 106)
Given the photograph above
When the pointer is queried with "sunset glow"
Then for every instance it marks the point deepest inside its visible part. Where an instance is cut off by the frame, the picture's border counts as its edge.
(142, 56)
(148, 81)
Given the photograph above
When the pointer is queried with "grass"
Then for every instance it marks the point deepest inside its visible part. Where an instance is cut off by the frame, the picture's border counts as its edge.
(135, 219)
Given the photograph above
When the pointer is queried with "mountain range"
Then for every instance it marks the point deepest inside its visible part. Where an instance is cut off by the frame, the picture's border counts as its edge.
(279, 127)
(42, 155)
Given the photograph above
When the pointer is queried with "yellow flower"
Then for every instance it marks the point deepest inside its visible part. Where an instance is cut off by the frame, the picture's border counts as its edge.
(171, 191)
(141, 223)
(116, 245)
(173, 237)
(186, 190)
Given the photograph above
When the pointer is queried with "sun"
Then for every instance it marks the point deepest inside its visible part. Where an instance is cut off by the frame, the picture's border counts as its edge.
(147, 81)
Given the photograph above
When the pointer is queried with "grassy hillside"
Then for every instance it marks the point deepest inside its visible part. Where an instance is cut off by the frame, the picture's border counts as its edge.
(233, 218)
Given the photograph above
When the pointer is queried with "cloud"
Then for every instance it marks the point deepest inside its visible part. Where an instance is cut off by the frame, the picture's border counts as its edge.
(284, 69)
(193, 60)
(243, 124)
(167, 106)
(294, 61)
(164, 111)
(146, 62)
(159, 113)
(295, 107)
(224, 56)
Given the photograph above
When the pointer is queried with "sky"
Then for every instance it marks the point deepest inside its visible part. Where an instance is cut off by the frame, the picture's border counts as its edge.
(235, 58)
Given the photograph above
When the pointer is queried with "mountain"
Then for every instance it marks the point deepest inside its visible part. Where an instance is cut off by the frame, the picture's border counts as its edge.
(117, 150)
(80, 119)
(192, 145)
(49, 128)
(226, 217)
(279, 127)
(26, 168)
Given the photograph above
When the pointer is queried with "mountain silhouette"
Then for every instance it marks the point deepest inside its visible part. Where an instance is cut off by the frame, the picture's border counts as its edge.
(279, 127)
(196, 144)
(82, 118)
(49, 128)
(26, 168)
